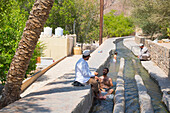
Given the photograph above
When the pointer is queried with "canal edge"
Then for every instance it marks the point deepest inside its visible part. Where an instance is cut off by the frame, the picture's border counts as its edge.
(144, 98)
(119, 99)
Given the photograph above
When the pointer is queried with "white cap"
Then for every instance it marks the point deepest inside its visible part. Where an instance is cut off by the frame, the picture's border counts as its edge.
(86, 52)
(141, 44)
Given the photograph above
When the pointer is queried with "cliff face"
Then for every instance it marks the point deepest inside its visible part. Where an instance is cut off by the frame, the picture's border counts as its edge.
(118, 5)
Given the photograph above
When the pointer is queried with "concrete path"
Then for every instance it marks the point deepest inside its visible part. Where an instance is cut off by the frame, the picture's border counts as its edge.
(155, 72)
(53, 91)
(58, 70)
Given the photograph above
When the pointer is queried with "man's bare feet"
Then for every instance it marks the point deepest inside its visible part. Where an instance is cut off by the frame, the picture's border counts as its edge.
(101, 97)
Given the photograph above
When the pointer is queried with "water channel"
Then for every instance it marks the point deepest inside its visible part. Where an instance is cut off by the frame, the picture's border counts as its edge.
(131, 93)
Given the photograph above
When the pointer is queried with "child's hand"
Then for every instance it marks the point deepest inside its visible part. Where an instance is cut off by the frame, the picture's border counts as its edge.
(95, 73)
(97, 78)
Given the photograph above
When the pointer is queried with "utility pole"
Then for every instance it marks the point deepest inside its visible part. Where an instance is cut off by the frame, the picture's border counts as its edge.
(101, 21)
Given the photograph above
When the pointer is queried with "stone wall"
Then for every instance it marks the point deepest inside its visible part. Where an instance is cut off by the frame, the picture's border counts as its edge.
(159, 54)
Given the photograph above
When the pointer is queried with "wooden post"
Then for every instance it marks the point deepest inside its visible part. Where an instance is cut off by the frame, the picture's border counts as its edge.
(101, 21)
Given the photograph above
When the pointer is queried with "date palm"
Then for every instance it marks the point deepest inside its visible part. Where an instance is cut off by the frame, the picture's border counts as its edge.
(26, 46)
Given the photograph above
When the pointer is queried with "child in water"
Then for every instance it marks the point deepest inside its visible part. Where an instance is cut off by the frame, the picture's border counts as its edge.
(115, 56)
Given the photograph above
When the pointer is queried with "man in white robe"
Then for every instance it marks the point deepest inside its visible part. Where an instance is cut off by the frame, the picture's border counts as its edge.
(84, 76)
(143, 54)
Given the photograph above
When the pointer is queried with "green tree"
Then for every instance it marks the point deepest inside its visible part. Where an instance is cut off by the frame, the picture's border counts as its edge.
(11, 31)
(62, 15)
(5, 8)
(25, 6)
(151, 15)
(117, 25)
(87, 19)
(79, 13)
(23, 54)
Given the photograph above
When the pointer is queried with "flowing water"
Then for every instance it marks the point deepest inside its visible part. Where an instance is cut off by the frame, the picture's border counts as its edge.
(131, 93)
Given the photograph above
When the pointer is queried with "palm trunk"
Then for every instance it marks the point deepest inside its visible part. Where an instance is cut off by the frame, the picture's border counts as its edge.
(26, 46)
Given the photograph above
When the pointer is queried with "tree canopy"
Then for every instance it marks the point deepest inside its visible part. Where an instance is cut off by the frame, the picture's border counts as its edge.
(152, 15)
(117, 25)
(13, 19)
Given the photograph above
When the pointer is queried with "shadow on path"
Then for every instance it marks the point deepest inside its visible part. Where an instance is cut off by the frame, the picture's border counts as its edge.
(26, 105)
(58, 90)
(60, 85)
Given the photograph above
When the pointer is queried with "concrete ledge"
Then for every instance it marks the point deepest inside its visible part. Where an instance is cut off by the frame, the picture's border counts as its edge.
(130, 44)
(85, 105)
(161, 78)
(59, 96)
(156, 73)
(26, 83)
(166, 100)
(101, 55)
(119, 99)
(144, 98)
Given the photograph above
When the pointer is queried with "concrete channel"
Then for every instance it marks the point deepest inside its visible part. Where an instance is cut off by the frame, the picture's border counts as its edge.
(119, 99)
(59, 96)
(157, 75)
(144, 98)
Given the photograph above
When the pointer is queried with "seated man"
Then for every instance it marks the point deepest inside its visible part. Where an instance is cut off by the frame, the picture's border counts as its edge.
(84, 76)
(144, 54)
(106, 84)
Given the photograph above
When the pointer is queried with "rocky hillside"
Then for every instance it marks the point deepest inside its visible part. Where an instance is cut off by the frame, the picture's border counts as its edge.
(119, 5)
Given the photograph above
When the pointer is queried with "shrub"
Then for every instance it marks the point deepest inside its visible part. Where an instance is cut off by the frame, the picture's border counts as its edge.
(117, 25)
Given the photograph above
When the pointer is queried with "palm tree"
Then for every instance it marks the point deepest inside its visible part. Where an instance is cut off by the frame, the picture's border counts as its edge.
(26, 46)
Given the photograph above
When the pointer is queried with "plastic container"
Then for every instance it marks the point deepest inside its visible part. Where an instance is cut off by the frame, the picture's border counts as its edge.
(77, 50)
(48, 31)
(38, 60)
(58, 31)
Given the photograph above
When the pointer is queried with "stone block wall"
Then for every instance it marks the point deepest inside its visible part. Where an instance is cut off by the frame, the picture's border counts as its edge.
(159, 54)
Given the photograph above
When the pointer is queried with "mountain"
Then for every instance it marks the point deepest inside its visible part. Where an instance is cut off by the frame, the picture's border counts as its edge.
(118, 5)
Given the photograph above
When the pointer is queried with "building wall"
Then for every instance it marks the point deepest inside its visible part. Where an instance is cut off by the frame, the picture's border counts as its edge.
(139, 39)
(58, 47)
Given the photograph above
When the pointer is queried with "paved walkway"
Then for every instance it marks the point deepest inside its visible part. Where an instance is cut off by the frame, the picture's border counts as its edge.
(52, 74)
(155, 72)
(53, 91)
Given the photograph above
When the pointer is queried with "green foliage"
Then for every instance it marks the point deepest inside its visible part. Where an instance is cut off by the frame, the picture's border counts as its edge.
(4, 10)
(150, 28)
(117, 25)
(25, 6)
(65, 14)
(8, 45)
(33, 61)
(168, 32)
(87, 13)
(62, 15)
(79, 13)
(11, 31)
(94, 32)
(151, 15)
